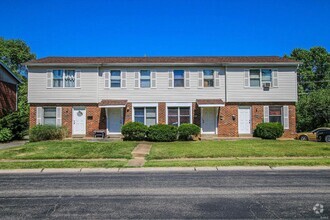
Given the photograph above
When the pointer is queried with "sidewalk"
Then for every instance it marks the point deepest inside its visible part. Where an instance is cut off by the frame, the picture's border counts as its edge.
(163, 169)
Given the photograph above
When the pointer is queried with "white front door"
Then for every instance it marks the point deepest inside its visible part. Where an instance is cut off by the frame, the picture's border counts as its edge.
(209, 120)
(79, 121)
(115, 120)
(244, 120)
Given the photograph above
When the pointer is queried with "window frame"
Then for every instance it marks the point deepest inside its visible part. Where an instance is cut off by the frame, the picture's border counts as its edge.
(43, 115)
(213, 78)
(140, 79)
(120, 79)
(63, 78)
(282, 113)
(145, 106)
(261, 80)
(183, 79)
(179, 105)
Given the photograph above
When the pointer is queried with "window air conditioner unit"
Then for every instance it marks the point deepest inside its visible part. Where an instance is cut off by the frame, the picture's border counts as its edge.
(266, 85)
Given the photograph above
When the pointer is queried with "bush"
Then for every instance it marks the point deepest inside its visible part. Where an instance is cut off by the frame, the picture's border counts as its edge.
(161, 132)
(134, 131)
(187, 131)
(47, 132)
(6, 135)
(269, 130)
(16, 123)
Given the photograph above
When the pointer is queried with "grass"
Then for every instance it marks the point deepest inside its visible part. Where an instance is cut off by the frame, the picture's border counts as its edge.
(70, 149)
(61, 164)
(239, 148)
(245, 162)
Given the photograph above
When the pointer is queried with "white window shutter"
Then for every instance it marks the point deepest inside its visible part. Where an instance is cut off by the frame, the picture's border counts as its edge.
(39, 115)
(58, 116)
(136, 80)
(246, 78)
(123, 79)
(266, 114)
(77, 80)
(187, 79)
(216, 79)
(49, 78)
(153, 80)
(170, 79)
(286, 117)
(275, 77)
(107, 79)
(200, 79)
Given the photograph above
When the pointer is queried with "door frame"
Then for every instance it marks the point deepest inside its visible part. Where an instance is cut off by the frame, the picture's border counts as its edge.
(107, 117)
(73, 109)
(216, 109)
(250, 118)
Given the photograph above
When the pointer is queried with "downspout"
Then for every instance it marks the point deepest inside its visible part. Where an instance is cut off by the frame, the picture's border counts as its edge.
(225, 84)
(16, 97)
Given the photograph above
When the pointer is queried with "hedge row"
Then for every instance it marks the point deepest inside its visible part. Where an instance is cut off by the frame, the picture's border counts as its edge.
(47, 132)
(160, 132)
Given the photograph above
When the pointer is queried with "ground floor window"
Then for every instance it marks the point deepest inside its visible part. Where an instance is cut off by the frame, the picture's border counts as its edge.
(145, 115)
(50, 116)
(275, 114)
(178, 115)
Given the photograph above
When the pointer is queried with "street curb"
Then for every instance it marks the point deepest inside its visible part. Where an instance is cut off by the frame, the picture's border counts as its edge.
(163, 169)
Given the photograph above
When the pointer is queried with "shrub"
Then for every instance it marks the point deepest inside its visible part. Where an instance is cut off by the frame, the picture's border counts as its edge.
(162, 132)
(16, 123)
(187, 131)
(6, 135)
(134, 131)
(269, 130)
(47, 132)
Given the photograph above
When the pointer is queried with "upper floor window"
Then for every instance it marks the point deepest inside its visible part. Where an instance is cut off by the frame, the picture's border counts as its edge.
(208, 78)
(266, 75)
(66, 76)
(145, 115)
(255, 78)
(145, 78)
(115, 78)
(178, 78)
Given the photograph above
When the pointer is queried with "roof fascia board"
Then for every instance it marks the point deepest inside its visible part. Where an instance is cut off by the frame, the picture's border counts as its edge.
(10, 72)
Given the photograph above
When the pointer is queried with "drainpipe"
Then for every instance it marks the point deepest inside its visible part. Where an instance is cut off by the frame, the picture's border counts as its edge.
(225, 84)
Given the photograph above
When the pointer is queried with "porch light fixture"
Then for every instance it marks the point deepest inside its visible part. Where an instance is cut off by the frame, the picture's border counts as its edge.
(233, 117)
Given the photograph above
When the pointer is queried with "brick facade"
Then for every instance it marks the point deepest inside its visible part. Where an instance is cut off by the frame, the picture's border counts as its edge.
(7, 98)
(227, 116)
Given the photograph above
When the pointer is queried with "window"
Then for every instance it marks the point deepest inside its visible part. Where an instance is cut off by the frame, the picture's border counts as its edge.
(115, 78)
(145, 78)
(68, 76)
(178, 115)
(50, 116)
(178, 78)
(275, 114)
(208, 78)
(255, 78)
(57, 78)
(266, 75)
(145, 115)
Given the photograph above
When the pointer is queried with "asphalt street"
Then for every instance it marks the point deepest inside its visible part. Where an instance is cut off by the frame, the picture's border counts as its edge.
(200, 194)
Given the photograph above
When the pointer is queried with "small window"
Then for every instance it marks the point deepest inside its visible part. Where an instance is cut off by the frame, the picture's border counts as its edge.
(178, 78)
(145, 115)
(115, 78)
(178, 115)
(145, 78)
(69, 78)
(275, 114)
(266, 75)
(255, 77)
(50, 116)
(57, 78)
(208, 78)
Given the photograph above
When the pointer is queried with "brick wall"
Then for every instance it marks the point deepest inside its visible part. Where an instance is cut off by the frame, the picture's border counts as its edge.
(228, 126)
(7, 98)
(161, 113)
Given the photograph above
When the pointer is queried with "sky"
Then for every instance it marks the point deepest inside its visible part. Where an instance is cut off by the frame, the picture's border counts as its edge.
(166, 28)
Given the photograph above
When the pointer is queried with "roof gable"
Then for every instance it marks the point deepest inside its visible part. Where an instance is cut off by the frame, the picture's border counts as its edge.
(8, 76)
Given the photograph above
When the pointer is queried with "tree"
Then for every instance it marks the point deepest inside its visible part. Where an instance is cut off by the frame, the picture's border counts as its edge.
(313, 88)
(13, 53)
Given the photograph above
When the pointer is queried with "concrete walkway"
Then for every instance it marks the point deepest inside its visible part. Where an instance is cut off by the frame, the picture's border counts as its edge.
(139, 153)
(12, 144)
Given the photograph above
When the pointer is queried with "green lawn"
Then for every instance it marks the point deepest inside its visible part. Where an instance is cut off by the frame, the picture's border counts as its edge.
(70, 149)
(61, 164)
(239, 148)
(245, 162)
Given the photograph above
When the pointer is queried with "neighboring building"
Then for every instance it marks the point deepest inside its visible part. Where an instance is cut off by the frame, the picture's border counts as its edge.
(227, 96)
(8, 90)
